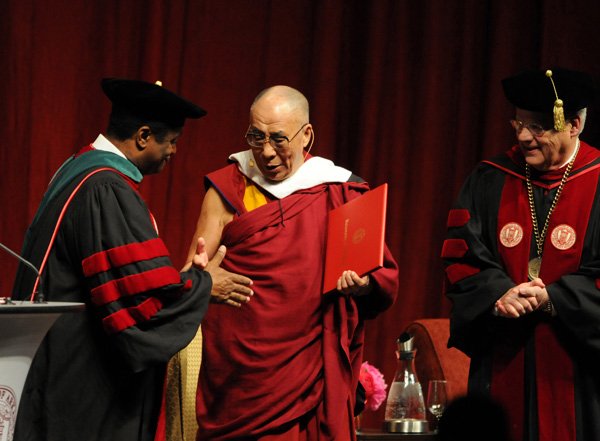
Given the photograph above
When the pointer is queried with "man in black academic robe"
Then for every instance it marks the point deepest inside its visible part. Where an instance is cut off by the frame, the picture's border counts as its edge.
(522, 260)
(99, 374)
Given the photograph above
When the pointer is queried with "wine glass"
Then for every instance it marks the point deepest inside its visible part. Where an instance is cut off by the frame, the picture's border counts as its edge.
(437, 398)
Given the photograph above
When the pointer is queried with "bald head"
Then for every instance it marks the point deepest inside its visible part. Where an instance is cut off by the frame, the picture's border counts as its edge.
(280, 114)
(284, 99)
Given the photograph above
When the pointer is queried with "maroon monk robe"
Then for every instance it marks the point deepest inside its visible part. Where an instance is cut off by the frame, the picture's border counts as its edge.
(291, 351)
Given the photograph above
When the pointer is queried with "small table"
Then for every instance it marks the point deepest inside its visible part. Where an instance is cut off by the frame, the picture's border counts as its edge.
(374, 435)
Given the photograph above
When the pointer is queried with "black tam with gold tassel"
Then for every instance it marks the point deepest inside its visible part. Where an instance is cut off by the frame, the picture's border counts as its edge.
(532, 91)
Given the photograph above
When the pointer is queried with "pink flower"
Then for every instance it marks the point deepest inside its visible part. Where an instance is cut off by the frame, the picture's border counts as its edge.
(374, 384)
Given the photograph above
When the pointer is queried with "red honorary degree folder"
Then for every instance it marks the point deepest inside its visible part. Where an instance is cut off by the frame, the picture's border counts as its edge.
(356, 236)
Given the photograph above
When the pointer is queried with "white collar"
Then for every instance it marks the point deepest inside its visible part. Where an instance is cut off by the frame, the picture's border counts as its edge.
(102, 143)
(313, 172)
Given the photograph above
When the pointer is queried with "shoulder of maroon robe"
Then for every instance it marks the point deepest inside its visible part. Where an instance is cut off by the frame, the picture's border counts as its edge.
(230, 184)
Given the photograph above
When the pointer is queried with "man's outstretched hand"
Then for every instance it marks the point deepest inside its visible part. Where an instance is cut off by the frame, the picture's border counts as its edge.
(229, 288)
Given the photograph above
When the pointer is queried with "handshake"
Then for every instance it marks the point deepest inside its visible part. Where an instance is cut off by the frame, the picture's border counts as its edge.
(227, 287)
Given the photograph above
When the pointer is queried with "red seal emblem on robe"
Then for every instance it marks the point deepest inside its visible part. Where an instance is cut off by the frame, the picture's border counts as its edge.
(511, 234)
(563, 237)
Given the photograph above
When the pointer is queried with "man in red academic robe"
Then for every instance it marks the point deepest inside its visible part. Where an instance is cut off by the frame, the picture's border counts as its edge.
(285, 364)
(523, 264)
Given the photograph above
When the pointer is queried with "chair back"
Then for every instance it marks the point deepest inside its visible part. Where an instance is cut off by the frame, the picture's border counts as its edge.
(434, 360)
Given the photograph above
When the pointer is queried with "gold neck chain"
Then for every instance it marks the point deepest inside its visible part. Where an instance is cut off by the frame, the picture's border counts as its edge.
(539, 238)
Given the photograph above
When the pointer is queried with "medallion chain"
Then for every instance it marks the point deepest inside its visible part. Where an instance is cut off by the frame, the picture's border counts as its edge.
(539, 238)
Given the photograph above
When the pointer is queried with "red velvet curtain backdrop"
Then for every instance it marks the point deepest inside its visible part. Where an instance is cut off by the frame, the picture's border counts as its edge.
(402, 92)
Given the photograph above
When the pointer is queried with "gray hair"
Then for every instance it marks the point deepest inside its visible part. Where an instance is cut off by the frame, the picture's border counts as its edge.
(582, 114)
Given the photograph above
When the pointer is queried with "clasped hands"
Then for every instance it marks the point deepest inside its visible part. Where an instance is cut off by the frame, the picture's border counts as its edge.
(227, 287)
(522, 299)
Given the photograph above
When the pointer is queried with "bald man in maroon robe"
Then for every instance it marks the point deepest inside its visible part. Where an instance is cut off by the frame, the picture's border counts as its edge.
(284, 364)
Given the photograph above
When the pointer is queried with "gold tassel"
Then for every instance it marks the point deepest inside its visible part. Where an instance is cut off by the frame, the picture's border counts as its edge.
(559, 116)
(558, 110)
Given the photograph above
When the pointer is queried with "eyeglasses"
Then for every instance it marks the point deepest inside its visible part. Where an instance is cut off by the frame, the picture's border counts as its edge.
(535, 128)
(257, 139)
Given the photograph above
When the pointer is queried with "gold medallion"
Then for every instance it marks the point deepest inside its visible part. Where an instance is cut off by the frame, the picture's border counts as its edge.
(533, 268)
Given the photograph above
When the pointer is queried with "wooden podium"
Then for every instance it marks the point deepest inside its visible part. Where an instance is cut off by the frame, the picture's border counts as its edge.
(23, 325)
